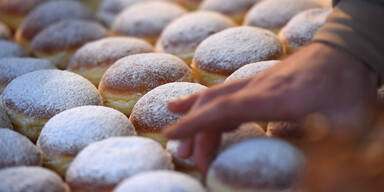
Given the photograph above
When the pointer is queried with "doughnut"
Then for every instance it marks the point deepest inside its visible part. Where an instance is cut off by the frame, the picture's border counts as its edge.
(60, 40)
(245, 131)
(150, 114)
(68, 132)
(184, 34)
(189, 4)
(146, 20)
(234, 9)
(93, 4)
(12, 12)
(17, 150)
(94, 58)
(250, 70)
(185, 165)
(11, 49)
(131, 77)
(47, 14)
(5, 32)
(302, 28)
(160, 181)
(221, 54)
(10, 68)
(259, 164)
(31, 179)
(274, 14)
(5, 122)
(104, 164)
(33, 98)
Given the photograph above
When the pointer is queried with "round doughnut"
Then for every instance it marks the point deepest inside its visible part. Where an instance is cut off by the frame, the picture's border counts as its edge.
(184, 34)
(189, 4)
(31, 179)
(259, 164)
(5, 122)
(94, 58)
(33, 98)
(302, 28)
(5, 32)
(47, 14)
(60, 40)
(11, 49)
(155, 181)
(185, 165)
(245, 131)
(131, 77)
(104, 164)
(250, 70)
(146, 20)
(221, 54)
(68, 132)
(17, 150)
(12, 12)
(274, 14)
(234, 9)
(10, 68)
(150, 114)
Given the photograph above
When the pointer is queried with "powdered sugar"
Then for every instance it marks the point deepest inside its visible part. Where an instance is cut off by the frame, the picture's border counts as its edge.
(227, 51)
(151, 111)
(11, 49)
(160, 181)
(250, 70)
(274, 14)
(72, 130)
(108, 162)
(228, 6)
(145, 72)
(45, 93)
(189, 30)
(301, 28)
(17, 150)
(146, 19)
(106, 51)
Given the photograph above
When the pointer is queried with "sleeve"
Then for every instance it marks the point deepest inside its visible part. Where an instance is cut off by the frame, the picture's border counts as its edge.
(357, 26)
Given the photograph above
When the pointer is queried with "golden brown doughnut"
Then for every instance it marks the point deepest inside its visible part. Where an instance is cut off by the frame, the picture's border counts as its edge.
(94, 58)
(126, 81)
(11, 49)
(250, 70)
(184, 34)
(189, 4)
(60, 40)
(146, 20)
(221, 54)
(33, 98)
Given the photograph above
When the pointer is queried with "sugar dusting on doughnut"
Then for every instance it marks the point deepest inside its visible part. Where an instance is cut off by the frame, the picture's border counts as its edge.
(251, 69)
(228, 6)
(11, 49)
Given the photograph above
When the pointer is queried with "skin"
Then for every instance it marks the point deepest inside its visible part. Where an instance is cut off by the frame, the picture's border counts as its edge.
(318, 79)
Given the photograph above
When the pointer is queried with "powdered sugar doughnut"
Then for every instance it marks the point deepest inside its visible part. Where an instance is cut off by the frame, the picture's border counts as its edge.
(104, 164)
(260, 164)
(16, 150)
(5, 32)
(60, 40)
(302, 28)
(68, 132)
(250, 70)
(155, 181)
(4, 119)
(185, 165)
(10, 68)
(31, 99)
(150, 114)
(94, 58)
(131, 77)
(274, 14)
(184, 34)
(223, 53)
(47, 14)
(12, 12)
(11, 49)
(31, 179)
(234, 9)
(146, 20)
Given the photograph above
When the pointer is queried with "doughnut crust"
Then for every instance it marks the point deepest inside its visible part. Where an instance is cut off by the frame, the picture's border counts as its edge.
(184, 34)
(31, 179)
(31, 99)
(94, 58)
(17, 150)
(60, 40)
(146, 20)
(5, 122)
(12, 12)
(104, 164)
(260, 164)
(150, 114)
(189, 4)
(133, 76)
(223, 53)
(250, 70)
(11, 49)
